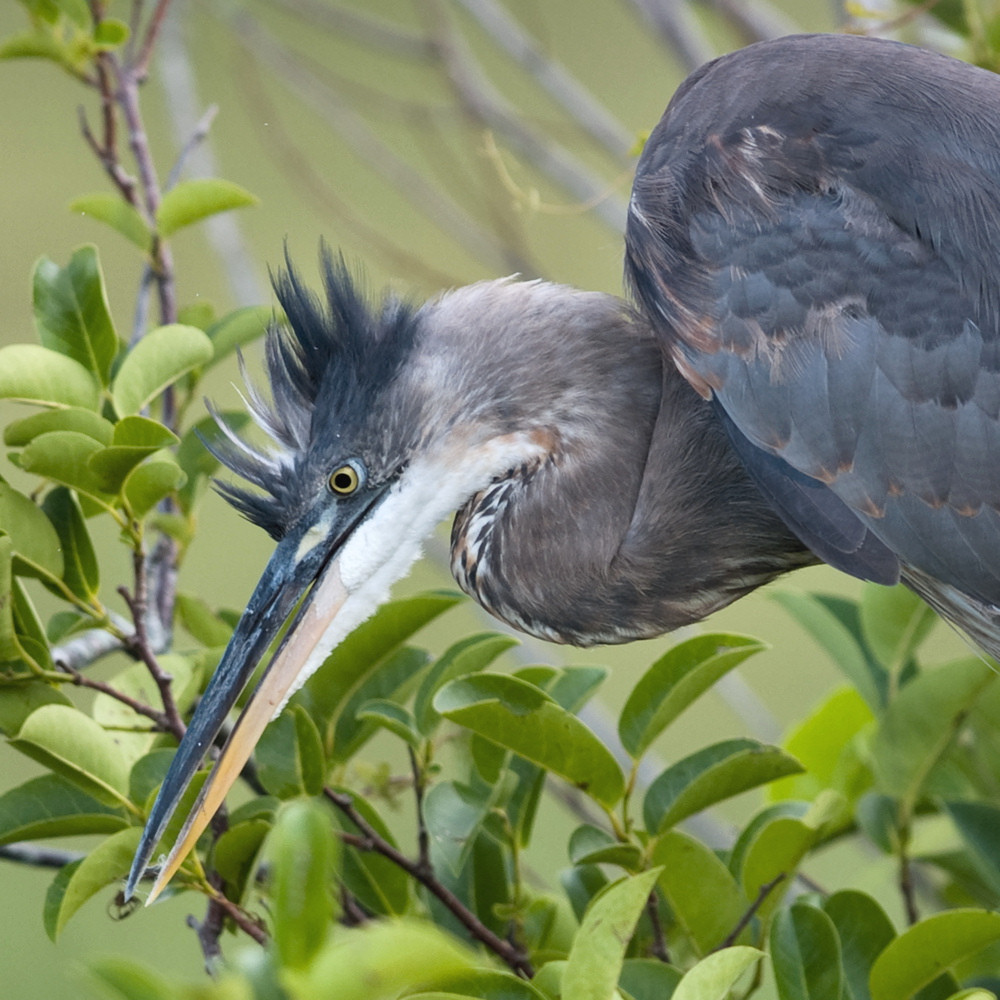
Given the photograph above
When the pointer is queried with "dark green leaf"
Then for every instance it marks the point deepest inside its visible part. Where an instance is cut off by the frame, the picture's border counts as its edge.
(805, 953)
(118, 214)
(191, 201)
(22, 432)
(71, 312)
(36, 543)
(581, 884)
(54, 898)
(864, 931)
(158, 360)
(648, 979)
(675, 680)
(235, 853)
(454, 814)
(524, 719)
(922, 952)
(467, 656)
(711, 775)
(105, 865)
(290, 755)
(147, 774)
(595, 958)
(979, 825)
(703, 895)
(51, 806)
(392, 716)
(34, 374)
(302, 852)
(569, 687)
(81, 571)
(593, 846)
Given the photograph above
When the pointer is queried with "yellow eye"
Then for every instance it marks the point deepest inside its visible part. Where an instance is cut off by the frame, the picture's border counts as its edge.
(345, 480)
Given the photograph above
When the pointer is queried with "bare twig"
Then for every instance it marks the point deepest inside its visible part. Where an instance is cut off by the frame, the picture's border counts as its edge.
(765, 890)
(659, 946)
(370, 840)
(159, 719)
(423, 837)
(38, 857)
(907, 888)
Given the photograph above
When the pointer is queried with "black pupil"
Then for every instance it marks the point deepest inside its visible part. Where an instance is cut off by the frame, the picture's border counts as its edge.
(343, 481)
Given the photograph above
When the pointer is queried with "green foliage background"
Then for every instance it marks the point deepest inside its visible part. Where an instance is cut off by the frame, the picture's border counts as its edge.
(270, 140)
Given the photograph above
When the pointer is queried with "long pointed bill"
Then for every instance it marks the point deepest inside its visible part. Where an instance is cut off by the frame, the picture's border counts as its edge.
(308, 559)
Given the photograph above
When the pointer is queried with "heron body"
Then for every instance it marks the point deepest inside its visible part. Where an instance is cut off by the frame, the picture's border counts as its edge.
(813, 374)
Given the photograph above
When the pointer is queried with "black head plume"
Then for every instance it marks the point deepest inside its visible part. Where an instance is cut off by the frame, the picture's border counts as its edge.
(326, 368)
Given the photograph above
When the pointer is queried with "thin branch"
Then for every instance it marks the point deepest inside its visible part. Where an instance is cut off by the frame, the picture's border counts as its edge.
(139, 707)
(659, 947)
(139, 69)
(423, 837)
(38, 857)
(370, 840)
(246, 923)
(765, 890)
(907, 887)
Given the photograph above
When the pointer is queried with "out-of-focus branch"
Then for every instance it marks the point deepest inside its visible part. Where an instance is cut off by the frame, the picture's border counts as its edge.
(485, 106)
(755, 20)
(578, 102)
(38, 857)
(679, 29)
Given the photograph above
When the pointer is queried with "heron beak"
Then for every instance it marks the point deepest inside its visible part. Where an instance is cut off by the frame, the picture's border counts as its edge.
(306, 560)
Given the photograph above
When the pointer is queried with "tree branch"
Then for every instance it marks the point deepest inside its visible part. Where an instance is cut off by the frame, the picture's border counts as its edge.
(765, 890)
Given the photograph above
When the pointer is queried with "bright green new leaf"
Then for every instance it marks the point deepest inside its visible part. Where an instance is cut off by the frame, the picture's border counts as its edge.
(467, 656)
(72, 314)
(104, 866)
(126, 979)
(30, 373)
(391, 716)
(151, 482)
(191, 201)
(835, 624)
(118, 214)
(72, 418)
(64, 457)
(51, 806)
(805, 954)
(135, 439)
(110, 34)
(714, 976)
(864, 931)
(70, 743)
(598, 950)
(239, 328)
(36, 543)
(675, 680)
(381, 960)
(519, 716)
(711, 775)
(922, 952)
(302, 854)
(703, 895)
(156, 361)
(920, 723)
(895, 622)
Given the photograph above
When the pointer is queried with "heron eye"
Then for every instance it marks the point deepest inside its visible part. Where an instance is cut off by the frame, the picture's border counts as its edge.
(346, 479)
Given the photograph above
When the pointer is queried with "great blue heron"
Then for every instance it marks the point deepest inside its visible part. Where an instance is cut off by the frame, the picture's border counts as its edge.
(814, 244)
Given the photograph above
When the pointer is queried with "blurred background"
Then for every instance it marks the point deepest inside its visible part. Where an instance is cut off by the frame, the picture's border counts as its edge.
(436, 142)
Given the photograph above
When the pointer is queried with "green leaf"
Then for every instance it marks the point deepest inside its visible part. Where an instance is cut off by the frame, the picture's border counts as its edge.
(593, 846)
(110, 33)
(71, 744)
(484, 984)
(302, 853)
(711, 775)
(835, 624)
(648, 979)
(116, 213)
(151, 482)
(156, 361)
(290, 755)
(63, 457)
(191, 201)
(805, 953)
(921, 722)
(675, 680)
(22, 432)
(895, 622)
(598, 950)
(54, 897)
(716, 974)
(569, 687)
(391, 716)
(51, 806)
(234, 855)
(128, 980)
(71, 312)
(239, 328)
(454, 814)
(33, 374)
(702, 894)
(467, 656)
(203, 623)
(18, 702)
(36, 544)
(135, 438)
(197, 461)
(979, 825)
(516, 715)
(360, 654)
(104, 866)
(935, 945)
(81, 572)
(864, 932)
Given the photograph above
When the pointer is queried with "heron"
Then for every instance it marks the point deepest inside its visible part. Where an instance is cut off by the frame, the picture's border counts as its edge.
(810, 372)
